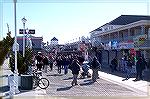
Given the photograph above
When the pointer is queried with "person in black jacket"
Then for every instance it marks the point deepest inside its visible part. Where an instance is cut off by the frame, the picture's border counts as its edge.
(140, 66)
(95, 66)
(75, 68)
(59, 63)
(39, 59)
(114, 65)
(51, 63)
(45, 63)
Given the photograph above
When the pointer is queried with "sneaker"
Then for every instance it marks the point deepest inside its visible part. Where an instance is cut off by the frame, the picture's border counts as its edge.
(76, 84)
(71, 84)
(136, 80)
(125, 79)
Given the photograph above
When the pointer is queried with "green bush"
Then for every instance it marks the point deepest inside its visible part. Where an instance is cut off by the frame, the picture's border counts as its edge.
(5, 46)
(22, 62)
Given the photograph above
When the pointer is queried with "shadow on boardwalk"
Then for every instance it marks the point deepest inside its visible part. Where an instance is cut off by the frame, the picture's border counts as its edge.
(64, 89)
(55, 75)
(87, 83)
(68, 78)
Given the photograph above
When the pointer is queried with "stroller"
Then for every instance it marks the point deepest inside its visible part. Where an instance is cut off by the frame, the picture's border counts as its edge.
(85, 68)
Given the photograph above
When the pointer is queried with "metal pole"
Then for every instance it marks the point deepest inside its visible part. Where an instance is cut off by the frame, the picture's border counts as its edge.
(1, 18)
(27, 39)
(148, 7)
(16, 70)
(23, 39)
(8, 27)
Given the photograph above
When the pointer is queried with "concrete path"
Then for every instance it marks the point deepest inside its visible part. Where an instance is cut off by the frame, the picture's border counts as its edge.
(141, 86)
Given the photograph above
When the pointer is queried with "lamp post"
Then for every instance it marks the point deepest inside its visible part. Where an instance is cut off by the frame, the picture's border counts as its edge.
(24, 21)
(15, 47)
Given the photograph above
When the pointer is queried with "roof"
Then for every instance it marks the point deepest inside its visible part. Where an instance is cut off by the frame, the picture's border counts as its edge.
(124, 19)
(54, 39)
(99, 28)
(127, 19)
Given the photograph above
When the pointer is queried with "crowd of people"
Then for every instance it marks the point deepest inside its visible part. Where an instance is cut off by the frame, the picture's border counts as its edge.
(128, 63)
(73, 61)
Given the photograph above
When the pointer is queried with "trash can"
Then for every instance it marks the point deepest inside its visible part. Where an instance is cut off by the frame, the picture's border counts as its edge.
(26, 82)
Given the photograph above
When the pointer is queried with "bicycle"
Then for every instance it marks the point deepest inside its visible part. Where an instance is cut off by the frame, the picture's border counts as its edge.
(38, 81)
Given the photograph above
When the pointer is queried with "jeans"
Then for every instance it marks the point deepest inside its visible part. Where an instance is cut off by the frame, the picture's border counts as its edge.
(45, 68)
(59, 69)
(74, 79)
(94, 74)
(128, 73)
(65, 69)
(139, 74)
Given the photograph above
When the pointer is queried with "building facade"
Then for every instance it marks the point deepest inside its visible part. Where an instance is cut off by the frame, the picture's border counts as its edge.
(36, 43)
(127, 35)
(54, 41)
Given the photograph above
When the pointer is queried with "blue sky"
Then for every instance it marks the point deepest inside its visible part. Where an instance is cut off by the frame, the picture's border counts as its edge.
(66, 19)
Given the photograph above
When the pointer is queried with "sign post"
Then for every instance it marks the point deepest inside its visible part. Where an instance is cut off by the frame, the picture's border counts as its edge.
(14, 83)
(24, 21)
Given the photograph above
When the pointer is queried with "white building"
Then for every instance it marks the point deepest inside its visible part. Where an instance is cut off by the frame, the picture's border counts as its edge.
(54, 41)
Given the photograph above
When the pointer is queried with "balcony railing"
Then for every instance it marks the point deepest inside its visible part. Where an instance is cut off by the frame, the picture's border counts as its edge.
(127, 38)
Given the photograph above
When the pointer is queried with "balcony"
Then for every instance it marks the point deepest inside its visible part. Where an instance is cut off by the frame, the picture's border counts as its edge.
(116, 39)
(127, 38)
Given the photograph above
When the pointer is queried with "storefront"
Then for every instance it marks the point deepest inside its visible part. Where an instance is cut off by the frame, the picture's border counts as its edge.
(126, 49)
(142, 46)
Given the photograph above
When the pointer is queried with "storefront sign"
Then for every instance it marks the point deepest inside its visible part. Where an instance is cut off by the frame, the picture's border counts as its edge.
(124, 45)
(114, 44)
(139, 40)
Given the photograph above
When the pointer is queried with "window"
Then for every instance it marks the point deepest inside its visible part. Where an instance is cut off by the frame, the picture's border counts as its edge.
(111, 27)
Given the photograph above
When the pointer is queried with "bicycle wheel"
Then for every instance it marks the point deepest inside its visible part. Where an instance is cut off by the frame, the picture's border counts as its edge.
(43, 83)
(35, 82)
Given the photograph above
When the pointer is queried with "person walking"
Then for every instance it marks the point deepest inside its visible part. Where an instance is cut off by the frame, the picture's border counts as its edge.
(66, 63)
(95, 66)
(51, 63)
(129, 64)
(75, 68)
(59, 64)
(140, 66)
(39, 59)
(114, 65)
(45, 63)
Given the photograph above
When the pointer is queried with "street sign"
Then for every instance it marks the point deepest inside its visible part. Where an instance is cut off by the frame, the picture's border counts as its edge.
(31, 31)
